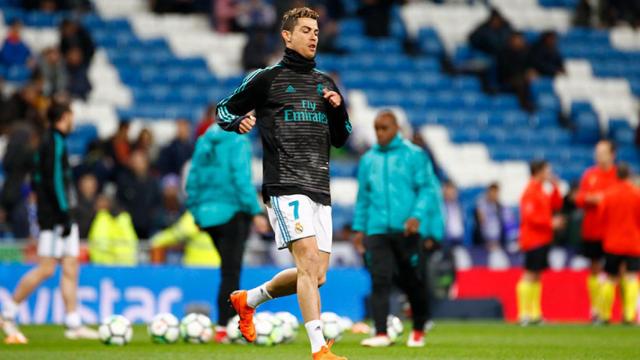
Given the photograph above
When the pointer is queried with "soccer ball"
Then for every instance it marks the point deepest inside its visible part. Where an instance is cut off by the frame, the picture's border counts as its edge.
(196, 329)
(264, 330)
(115, 330)
(394, 327)
(277, 335)
(164, 329)
(345, 324)
(290, 326)
(331, 326)
(233, 332)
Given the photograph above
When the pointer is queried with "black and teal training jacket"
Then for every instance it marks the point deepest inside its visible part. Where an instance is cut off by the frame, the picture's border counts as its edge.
(297, 125)
(52, 180)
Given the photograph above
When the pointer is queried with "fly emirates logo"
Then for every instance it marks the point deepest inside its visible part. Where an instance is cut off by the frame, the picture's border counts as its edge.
(308, 114)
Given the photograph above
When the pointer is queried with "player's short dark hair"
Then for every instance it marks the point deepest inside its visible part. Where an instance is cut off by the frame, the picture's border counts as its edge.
(623, 171)
(56, 111)
(494, 186)
(388, 113)
(612, 145)
(536, 166)
(290, 18)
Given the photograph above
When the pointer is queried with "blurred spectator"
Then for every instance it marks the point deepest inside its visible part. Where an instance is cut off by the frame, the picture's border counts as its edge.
(86, 207)
(177, 6)
(17, 163)
(492, 35)
(513, 70)
(139, 194)
(257, 51)
(54, 74)
(173, 157)
(145, 144)
(112, 238)
(24, 107)
(615, 11)
(254, 14)
(223, 15)
(14, 51)
(329, 28)
(545, 57)
(490, 222)
(171, 206)
(79, 85)
(454, 229)
(119, 147)
(198, 246)
(208, 119)
(376, 15)
(73, 35)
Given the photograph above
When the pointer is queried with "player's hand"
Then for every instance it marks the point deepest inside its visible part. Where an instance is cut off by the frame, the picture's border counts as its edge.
(411, 227)
(358, 242)
(261, 224)
(66, 227)
(332, 97)
(558, 222)
(247, 124)
(593, 199)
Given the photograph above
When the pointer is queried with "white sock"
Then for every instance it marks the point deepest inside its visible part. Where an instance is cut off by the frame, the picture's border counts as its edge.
(72, 320)
(10, 309)
(257, 296)
(314, 331)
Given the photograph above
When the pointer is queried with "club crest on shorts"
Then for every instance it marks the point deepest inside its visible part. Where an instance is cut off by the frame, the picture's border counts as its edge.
(299, 228)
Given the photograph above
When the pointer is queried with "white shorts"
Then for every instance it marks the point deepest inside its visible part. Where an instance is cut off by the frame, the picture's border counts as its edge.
(295, 217)
(52, 244)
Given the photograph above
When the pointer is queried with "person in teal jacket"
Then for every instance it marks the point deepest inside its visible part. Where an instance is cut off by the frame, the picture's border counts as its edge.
(223, 201)
(397, 199)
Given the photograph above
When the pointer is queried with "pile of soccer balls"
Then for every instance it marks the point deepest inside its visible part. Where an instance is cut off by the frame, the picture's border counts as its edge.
(271, 329)
(163, 329)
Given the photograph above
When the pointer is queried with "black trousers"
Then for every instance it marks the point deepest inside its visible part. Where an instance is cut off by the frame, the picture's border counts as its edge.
(230, 239)
(396, 259)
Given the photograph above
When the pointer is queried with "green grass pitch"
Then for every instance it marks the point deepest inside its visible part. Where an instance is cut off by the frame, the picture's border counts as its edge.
(449, 340)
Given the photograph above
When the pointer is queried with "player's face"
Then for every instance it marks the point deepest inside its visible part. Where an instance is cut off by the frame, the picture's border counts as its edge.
(386, 129)
(603, 154)
(66, 123)
(304, 37)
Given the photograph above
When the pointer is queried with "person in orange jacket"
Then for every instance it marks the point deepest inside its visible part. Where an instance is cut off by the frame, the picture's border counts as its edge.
(537, 207)
(620, 214)
(595, 181)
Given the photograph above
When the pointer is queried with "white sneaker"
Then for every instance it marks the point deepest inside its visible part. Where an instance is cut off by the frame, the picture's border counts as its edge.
(377, 341)
(14, 335)
(415, 339)
(81, 332)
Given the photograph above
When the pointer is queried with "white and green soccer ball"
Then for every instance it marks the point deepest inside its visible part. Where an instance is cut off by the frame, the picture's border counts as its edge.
(233, 331)
(394, 327)
(264, 330)
(331, 326)
(196, 329)
(290, 326)
(164, 329)
(345, 324)
(115, 330)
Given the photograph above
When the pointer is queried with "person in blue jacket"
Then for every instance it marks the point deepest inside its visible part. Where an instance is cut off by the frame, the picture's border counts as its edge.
(223, 201)
(397, 207)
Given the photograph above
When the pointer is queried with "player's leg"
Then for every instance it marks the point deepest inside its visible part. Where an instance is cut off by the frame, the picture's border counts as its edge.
(608, 288)
(541, 263)
(631, 289)
(593, 251)
(69, 288)
(230, 241)
(525, 289)
(381, 263)
(409, 252)
(49, 250)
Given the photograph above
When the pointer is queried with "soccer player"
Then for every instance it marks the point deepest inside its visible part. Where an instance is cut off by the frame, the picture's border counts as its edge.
(595, 181)
(223, 201)
(300, 114)
(58, 240)
(620, 215)
(396, 187)
(537, 223)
